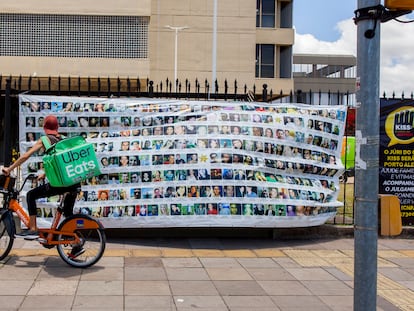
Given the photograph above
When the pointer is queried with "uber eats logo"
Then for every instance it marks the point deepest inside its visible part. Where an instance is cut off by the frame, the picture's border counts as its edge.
(78, 161)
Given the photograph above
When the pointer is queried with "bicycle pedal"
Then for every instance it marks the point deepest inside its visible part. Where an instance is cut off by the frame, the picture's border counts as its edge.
(41, 240)
(17, 236)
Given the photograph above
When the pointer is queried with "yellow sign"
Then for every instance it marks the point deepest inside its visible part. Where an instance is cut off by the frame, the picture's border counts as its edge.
(399, 126)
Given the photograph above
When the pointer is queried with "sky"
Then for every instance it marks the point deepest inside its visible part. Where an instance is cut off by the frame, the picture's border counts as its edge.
(327, 27)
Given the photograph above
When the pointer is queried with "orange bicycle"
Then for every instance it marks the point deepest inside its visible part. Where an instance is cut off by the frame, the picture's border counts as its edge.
(79, 232)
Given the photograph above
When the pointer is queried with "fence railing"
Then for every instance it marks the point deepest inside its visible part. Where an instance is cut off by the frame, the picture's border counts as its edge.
(144, 87)
(128, 87)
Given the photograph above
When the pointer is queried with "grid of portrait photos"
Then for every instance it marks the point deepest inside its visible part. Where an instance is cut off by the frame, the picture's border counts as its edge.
(195, 158)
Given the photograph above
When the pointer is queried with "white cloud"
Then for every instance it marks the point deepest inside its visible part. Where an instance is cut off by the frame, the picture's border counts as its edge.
(397, 52)
(308, 44)
(397, 58)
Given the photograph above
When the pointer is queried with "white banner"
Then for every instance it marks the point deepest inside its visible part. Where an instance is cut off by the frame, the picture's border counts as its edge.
(171, 163)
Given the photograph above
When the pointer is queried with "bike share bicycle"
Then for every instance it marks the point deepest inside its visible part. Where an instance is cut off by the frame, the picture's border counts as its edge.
(79, 232)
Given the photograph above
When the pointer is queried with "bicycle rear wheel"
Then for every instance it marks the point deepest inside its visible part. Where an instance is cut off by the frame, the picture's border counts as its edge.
(6, 241)
(90, 250)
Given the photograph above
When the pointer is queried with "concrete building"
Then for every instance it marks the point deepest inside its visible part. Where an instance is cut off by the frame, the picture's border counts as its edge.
(244, 40)
(325, 79)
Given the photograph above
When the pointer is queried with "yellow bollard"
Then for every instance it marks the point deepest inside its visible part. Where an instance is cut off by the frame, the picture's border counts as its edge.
(390, 218)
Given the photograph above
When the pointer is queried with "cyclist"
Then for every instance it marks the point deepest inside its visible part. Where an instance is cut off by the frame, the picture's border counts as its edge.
(45, 190)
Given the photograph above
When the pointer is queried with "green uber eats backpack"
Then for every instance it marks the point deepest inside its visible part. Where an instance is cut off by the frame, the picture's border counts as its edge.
(69, 161)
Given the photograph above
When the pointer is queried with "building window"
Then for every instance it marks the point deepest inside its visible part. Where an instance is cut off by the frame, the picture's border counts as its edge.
(265, 13)
(74, 36)
(265, 61)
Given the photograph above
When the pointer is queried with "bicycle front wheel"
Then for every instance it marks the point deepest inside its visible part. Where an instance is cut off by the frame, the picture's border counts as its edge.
(89, 251)
(6, 241)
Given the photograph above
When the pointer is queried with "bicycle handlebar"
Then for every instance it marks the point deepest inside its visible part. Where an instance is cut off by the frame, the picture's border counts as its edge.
(7, 180)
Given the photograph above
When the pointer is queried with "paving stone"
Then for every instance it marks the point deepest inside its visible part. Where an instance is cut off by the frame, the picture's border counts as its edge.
(286, 262)
(115, 262)
(208, 253)
(145, 274)
(298, 301)
(249, 302)
(177, 253)
(28, 258)
(143, 262)
(384, 305)
(12, 272)
(339, 275)
(100, 288)
(199, 302)
(189, 288)
(313, 274)
(148, 288)
(400, 244)
(231, 274)
(146, 253)
(175, 274)
(258, 263)
(239, 288)
(59, 273)
(53, 287)
(404, 262)
(275, 274)
(98, 274)
(11, 302)
(111, 302)
(328, 288)
(409, 270)
(391, 254)
(336, 302)
(48, 302)
(407, 284)
(149, 302)
(274, 288)
(396, 274)
(269, 253)
(182, 262)
(336, 244)
(274, 308)
(117, 253)
(239, 253)
(220, 263)
(10, 287)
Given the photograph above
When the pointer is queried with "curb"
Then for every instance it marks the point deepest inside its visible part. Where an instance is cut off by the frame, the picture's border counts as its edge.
(318, 232)
(326, 231)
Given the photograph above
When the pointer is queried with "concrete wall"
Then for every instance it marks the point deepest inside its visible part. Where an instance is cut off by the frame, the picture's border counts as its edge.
(237, 37)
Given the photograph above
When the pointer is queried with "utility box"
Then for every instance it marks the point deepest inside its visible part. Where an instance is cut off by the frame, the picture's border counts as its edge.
(390, 215)
(399, 4)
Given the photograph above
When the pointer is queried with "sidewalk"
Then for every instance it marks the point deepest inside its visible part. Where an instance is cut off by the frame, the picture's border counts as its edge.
(205, 274)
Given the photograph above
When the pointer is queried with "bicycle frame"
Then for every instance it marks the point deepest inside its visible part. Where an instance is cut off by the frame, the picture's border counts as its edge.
(79, 239)
(48, 236)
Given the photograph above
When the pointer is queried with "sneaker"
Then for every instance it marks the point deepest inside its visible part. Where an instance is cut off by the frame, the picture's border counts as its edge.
(28, 235)
(76, 251)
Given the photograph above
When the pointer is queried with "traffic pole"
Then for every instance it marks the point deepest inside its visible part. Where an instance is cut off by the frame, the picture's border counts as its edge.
(368, 21)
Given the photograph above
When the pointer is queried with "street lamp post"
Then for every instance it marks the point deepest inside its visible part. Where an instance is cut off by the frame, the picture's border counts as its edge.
(176, 29)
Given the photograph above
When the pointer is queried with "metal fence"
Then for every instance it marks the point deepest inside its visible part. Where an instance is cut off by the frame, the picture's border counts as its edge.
(138, 87)
(12, 86)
